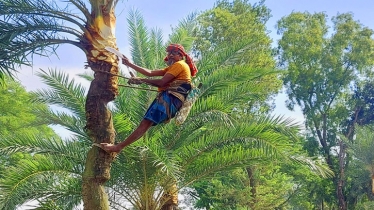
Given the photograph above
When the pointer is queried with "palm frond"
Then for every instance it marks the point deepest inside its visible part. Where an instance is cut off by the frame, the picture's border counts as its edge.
(88, 76)
(79, 4)
(249, 134)
(139, 38)
(61, 118)
(34, 27)
(36, 178)
(315, 165)
(72, 150)
(163, 160)
(63, 92)
(133, 102)
(362, 147)
(183, 33)
(219, 160)
(225, 55)
(156, 49)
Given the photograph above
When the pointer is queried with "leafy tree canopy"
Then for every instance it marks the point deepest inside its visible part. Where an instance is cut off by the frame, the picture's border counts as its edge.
(17, 112)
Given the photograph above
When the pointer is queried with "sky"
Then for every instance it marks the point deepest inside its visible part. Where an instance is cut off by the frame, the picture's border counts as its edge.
(166, 14)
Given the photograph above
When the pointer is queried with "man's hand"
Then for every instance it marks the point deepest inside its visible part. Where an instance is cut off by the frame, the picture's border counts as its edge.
(135, 81)
(125, 60)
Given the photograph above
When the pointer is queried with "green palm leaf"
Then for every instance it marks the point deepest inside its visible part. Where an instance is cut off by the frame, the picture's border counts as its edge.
(63, 92)
(35, 27)
(43, 176)
(139, 38)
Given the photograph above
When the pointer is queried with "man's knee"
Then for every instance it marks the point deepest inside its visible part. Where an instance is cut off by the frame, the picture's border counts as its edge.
(146, 123)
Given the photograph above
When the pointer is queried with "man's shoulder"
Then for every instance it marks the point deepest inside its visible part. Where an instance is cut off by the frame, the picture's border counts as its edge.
(181, 63)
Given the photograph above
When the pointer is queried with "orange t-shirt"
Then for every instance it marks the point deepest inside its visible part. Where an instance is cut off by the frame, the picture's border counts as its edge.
(180, 70)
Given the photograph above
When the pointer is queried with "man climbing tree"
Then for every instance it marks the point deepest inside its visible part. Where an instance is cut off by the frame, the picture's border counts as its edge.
(173, 89)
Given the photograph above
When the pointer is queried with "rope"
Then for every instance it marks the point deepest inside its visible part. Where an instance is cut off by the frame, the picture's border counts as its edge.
(125, 78)
(137, 87)
(112, 74)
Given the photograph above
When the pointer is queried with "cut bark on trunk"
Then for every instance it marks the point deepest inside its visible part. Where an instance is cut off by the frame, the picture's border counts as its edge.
(100, 129)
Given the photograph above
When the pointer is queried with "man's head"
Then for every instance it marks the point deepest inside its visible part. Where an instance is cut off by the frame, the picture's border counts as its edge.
(176, 53)
(173, 56)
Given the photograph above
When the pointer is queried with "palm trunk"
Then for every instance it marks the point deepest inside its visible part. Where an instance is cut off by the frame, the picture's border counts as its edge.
(100, 129)
(103, 89)
(170, 198)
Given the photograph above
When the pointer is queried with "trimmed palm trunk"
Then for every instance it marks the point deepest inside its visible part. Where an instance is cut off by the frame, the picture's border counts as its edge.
(170, 198)
(103, 89)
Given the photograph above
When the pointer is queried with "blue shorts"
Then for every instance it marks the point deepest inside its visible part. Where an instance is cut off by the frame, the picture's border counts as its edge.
(163, 108)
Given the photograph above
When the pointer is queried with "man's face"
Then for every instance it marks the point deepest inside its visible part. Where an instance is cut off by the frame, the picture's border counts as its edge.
(173, 56)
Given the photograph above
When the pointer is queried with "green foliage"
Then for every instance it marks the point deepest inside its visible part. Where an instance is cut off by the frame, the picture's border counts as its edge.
(327, 73)
(363, 146)
(319, 68)
(41, 166)
(365, 205)
(17, 112)
(309, 191)
(361, 168)
(358, 185)
(232, 190)
(229, 21)
(35, 27)
(223, 26)
(364, 103)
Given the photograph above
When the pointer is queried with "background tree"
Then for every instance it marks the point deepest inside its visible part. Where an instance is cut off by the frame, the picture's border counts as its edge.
(229, 21)
(17, 117)
(320, 70)
(232, 190)
(17, 112)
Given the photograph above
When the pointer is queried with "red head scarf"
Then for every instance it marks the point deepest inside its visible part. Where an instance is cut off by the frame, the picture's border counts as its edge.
(189, 61)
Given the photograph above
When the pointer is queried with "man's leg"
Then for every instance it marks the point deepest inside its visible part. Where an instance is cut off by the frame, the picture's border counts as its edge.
(135, 135)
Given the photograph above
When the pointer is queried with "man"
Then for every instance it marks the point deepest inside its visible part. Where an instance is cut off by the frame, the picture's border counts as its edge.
(173, 88)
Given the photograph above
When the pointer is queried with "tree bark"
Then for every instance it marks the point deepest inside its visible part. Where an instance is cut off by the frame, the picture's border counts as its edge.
(99, 33)
(253, 184)
(100, 129)
(340, 194)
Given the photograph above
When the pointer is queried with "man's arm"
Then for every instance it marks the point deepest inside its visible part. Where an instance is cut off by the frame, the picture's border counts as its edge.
(166, 79)
(144, 71)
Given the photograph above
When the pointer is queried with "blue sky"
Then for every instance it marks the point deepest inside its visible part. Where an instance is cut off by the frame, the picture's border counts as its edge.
(167, 13)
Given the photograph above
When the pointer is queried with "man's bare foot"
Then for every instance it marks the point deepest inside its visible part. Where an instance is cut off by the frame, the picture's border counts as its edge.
(109, 147)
